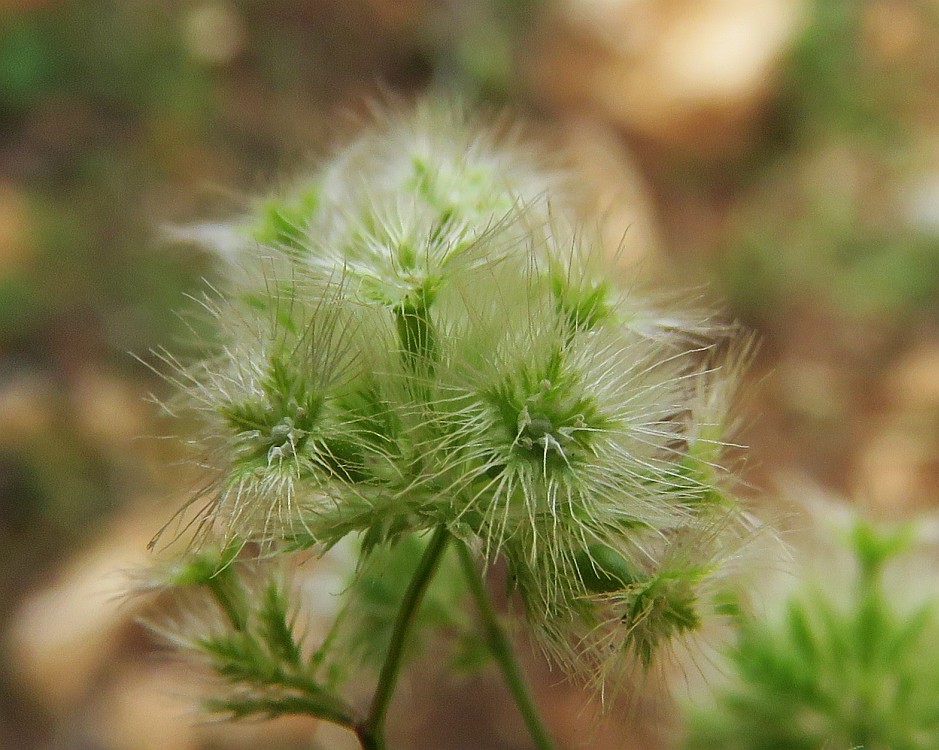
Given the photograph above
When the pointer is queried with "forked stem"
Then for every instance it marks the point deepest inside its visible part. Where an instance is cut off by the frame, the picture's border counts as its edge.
(371, 731)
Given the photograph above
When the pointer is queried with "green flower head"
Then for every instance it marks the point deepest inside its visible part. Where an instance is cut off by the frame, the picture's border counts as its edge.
(434, 340)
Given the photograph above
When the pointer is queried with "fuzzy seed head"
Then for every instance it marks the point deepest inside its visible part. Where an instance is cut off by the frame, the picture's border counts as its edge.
(435, 339)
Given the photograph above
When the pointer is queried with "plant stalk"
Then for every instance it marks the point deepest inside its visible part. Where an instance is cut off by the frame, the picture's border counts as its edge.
(501, 649)
(371, 732)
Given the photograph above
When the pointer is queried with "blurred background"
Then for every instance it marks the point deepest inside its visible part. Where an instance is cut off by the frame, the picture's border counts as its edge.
(777, 158)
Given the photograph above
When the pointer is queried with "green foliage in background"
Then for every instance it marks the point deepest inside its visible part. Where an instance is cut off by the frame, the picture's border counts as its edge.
(832, 220)
(860, 671)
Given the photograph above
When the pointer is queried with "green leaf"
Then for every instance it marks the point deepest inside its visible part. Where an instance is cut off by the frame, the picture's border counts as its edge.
(873, 547)
(602, 569)
(274, 626)
(801, 632)
(283, 223)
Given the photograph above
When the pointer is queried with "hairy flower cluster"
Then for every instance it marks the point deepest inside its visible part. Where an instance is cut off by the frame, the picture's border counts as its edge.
(422, 333)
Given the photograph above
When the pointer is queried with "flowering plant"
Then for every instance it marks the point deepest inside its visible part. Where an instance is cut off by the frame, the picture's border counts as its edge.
(424, 360)
(848, 657)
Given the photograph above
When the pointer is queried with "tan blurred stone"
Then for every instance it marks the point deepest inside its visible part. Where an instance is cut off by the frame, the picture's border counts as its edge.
(892, 29)
(61, 636)
(616, 191)
(812, 389)
(913, 383)
(27, 409)
(335, 738)
(897, 470)
(70, 645)
(286, 731)
(17, 245)
(155, 706)
(144, 708)
(214, 33)
(689, 74)
(107, 409)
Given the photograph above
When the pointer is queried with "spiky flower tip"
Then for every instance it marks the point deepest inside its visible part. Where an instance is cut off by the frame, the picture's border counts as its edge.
(423, 334)
(290, 410)
(631, 625)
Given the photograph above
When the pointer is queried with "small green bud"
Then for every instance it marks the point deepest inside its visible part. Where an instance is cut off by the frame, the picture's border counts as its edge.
(603, 570)
(201, 567)
(584, 307)
(659, 609)
(283, 223)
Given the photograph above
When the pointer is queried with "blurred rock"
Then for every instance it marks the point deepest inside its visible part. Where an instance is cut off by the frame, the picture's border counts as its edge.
(284, 732)
(913, 383)
(214, 33)
(62, 635)
(27, 408)
(898, 469)
(17, 245)
(892, 29)
(334, 738)
(77, 648)
(616, 191)
(814, 390)
(691, 75)
(108, 410)
(142, 709)
(154, 706)
(899, 466)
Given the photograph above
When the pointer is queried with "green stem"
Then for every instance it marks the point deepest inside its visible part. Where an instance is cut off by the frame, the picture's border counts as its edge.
(371, 731)
(501, 650)
(368, 739)
(230, 598)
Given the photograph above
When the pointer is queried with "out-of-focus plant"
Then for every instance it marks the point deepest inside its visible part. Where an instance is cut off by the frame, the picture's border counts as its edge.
(849, 668)
(474, 47)
(836, 218)
(836, 226)
(423, 353)
(96, 100)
